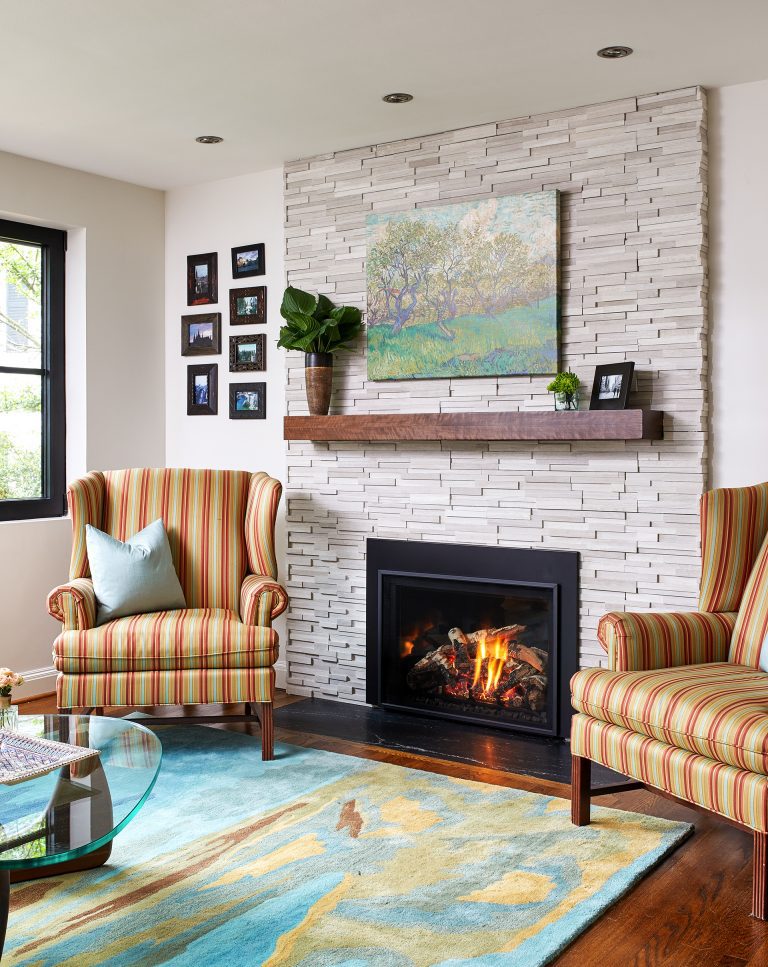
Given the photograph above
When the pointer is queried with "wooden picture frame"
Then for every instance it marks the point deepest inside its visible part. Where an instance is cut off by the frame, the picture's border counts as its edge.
(247, 401)
(195, 340)
(247, 354)
(202, 279)
(248, 307)
(248, 260)
(611, 386)
(202, 390)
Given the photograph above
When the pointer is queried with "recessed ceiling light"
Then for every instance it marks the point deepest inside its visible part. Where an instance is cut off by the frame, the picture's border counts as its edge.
(209, 139)
(397, 98)
(614, 52)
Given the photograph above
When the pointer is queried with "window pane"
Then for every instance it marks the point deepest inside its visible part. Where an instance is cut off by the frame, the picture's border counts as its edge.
(20, 304)
(21, 434)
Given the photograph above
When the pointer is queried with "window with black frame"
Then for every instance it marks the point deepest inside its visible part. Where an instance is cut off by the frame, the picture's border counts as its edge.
(32, 400)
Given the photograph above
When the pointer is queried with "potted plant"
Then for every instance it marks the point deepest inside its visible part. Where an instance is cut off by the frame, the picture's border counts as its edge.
(565, 386)
(9, 714)
(318, 328)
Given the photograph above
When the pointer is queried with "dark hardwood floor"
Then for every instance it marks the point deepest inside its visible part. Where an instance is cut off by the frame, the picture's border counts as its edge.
(693, 911)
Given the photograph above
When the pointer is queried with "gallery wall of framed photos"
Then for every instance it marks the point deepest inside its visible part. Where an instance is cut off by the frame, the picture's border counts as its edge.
(201, 332)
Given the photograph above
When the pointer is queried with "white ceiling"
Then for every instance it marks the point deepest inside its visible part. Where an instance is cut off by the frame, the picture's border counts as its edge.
(122, 89)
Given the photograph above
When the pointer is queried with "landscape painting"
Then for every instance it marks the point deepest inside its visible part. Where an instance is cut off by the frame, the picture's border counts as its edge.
(464, 290)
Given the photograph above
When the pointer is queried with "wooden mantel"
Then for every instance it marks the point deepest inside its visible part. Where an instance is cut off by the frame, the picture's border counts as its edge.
(488, 425)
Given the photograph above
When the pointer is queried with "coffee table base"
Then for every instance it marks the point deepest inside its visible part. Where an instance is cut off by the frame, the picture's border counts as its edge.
(88, 862)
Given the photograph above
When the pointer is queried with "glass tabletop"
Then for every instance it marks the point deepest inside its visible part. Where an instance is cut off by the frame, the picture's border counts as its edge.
(81, 806)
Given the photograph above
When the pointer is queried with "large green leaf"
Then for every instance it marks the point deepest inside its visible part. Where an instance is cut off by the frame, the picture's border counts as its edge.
(346, 314)
(297, 301)
(324, 307)
(301, 321)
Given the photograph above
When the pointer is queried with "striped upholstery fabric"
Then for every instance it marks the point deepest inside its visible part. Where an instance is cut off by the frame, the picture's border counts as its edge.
(221, 528)
(85, 498)
(733, 793)
(752, 623)
(261, 600)
(191, 687)
(74, 604)
(204, 513)
(167, 640)
(263, 498)
(638, 642)
(734, 523)
(719, 710)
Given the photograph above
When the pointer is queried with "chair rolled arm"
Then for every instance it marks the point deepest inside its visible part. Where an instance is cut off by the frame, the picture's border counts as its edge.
(74, 604)
(261, 600)
(643, 641)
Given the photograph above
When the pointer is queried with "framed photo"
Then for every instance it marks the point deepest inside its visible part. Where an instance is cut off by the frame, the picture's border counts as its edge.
(202, 392)
(202, 279)
(247, 353)
(248, 260)
(610, 389)
(247, 401)
(248, 307)
(201, 335)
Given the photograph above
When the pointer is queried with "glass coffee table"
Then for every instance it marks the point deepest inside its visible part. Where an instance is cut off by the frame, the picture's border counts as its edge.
(65, 821)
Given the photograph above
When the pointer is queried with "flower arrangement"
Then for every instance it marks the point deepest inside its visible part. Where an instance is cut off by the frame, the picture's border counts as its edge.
(8, 681)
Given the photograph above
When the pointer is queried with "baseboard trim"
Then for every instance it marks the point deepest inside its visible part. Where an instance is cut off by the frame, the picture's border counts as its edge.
(37, 682)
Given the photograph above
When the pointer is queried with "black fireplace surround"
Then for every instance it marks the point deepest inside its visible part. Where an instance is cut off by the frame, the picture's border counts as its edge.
(482, 634)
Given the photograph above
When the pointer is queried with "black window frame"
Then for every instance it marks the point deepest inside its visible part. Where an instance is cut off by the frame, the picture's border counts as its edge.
(53, 243)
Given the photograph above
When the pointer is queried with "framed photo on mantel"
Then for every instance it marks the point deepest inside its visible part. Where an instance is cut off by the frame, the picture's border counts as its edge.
(611, 386)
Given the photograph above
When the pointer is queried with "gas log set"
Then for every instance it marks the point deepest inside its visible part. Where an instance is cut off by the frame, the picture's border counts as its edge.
(490, 667)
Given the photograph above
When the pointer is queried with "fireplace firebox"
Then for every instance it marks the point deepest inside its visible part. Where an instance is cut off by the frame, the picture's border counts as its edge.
(484, 634)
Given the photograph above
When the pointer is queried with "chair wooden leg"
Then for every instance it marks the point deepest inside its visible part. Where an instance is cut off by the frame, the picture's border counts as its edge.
(581, 774)
(264, 711)
(760, 876)
(248, 710)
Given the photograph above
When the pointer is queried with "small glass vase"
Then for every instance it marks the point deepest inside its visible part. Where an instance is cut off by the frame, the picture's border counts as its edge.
(9, 714)
(566, 401)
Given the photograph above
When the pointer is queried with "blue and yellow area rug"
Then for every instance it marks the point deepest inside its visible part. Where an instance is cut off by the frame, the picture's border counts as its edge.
(318, 859)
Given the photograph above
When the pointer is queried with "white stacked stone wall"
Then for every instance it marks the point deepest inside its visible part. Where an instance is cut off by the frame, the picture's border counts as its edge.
(633, 279)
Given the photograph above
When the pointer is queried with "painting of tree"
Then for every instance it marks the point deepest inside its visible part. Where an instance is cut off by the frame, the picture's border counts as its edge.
(468, 289)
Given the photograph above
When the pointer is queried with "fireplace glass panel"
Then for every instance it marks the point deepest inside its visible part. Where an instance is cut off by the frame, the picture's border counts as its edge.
(470, 649)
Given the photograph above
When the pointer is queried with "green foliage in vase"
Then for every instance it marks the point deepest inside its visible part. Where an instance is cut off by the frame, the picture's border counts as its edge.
(566, 383)
(313, 324)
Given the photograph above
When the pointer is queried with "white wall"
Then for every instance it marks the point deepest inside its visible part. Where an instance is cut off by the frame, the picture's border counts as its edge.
(738, 277)
(114, 364)
(215, 217)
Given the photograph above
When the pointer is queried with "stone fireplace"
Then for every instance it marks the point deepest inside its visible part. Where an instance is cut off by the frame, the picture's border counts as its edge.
(487, 635)
(631, 174)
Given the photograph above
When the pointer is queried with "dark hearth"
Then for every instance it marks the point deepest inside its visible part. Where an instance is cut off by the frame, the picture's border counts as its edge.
(485, 634)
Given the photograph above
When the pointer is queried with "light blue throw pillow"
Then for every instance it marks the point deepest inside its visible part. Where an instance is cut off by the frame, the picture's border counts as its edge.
(135, 577)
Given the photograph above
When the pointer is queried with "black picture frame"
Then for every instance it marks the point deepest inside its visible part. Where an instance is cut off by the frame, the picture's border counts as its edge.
(237, 314)
(209, 406)
(259, 343)
(202, 292)
(619, 393)
(248, 260)
(257, 412)
(192, 341)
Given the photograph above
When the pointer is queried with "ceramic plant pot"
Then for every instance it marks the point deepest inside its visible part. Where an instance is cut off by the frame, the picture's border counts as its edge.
(318, 373)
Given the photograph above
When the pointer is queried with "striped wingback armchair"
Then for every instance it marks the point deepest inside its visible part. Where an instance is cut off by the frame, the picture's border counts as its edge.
(222, 647)
(683, 706)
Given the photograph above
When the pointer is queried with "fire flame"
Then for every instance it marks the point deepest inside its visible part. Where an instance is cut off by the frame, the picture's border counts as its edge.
(496, 652)
(406, 648)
